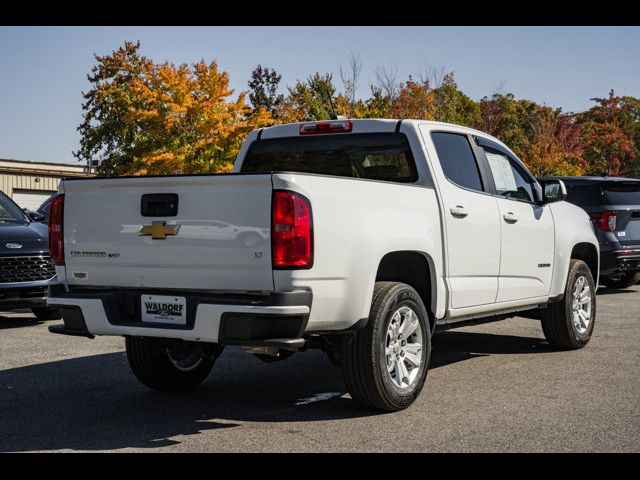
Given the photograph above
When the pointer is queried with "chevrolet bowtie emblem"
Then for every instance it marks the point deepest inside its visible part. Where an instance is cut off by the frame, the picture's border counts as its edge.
(159, 230)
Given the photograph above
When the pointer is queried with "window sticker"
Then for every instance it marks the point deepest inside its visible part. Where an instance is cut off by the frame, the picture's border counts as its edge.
(502, 173)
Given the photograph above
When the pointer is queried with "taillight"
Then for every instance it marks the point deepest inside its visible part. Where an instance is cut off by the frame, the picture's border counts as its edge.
(339, 126)
(56, 235)
(291, 231)
(605, 220)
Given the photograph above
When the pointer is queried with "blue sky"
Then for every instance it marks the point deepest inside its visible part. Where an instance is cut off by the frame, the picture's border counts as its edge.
(43, 70)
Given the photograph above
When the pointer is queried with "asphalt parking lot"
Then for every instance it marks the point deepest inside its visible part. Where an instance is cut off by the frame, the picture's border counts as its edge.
(493, 387)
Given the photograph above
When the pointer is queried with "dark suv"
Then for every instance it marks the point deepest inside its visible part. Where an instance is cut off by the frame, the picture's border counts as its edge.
(44, 210)
(613, 204)
(25, 267)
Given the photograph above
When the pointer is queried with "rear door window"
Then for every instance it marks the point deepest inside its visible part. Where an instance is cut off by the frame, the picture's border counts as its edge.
(584, 195)
(373, 156)
(622, 194)
(457, 160)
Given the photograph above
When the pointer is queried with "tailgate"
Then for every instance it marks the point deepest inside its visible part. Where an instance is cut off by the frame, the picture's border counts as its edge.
(628, 231)
(219, 238)
(624, 198)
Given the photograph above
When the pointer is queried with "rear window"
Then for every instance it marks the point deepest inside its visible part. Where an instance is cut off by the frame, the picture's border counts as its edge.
(584, 195)
(373, 156)
(622, 194)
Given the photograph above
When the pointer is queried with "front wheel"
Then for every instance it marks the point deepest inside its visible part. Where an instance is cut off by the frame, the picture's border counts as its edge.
(569, 323)
(624, 280)
(169, 365)
(385, 364)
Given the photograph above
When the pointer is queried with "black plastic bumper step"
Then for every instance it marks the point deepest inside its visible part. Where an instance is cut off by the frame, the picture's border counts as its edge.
(62, 330)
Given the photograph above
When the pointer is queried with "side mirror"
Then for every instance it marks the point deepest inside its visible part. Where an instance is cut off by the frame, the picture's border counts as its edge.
(554, 191)
(35, 216)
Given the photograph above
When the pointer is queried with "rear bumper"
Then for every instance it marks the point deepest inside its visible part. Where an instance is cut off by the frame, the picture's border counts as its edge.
(222, 319)
(616, 261)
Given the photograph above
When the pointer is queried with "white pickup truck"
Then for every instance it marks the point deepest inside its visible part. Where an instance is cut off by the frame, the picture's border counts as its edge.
(358, 237)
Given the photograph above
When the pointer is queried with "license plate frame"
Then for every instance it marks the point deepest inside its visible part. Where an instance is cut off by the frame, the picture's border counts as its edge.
(166, 309)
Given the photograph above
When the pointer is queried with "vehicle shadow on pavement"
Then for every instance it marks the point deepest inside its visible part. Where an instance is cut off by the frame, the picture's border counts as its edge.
(18, 322)
(95, 403)
(455, 346)
(613, 291)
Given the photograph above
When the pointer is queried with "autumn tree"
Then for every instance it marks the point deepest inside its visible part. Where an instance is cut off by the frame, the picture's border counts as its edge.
(415, 99)
(141, 117)
(611, 132)
(508, 119)
(378, 105)
(453, 106)
(553, 145)
(435, 97)
(312, 99)
(263, 89)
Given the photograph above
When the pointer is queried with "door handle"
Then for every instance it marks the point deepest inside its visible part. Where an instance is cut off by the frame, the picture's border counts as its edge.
(509, 217)
(459, 211)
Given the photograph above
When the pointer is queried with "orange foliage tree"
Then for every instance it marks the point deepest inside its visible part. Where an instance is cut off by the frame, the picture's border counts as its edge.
(553, 145)
(146, 118)
(416, 99)
(612, 133)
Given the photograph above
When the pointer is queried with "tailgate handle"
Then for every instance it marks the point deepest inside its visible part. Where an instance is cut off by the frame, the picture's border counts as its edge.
(159, 205)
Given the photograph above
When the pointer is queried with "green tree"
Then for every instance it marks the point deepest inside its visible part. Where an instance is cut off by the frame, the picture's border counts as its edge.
(378, 105)
(263, 89)
(453, 106)
(313, 99)
(105, 134)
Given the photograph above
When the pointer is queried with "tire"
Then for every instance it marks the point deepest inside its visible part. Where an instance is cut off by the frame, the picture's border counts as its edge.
(558, 324)
(626, 280)
(46, 313)
(364, 359)
(150, 362)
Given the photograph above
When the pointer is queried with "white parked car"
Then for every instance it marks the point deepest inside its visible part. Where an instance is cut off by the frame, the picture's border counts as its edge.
(376, 233)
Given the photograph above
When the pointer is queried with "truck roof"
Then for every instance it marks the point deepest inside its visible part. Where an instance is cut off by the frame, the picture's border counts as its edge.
(591, 179)
(368, 125)
(364, 125)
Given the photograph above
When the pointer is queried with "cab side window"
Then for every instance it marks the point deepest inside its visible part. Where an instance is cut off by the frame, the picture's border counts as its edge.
(510, 182)
(456, 157)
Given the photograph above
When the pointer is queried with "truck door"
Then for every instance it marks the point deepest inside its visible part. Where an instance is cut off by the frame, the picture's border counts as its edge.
(526, 229)
(470, 219)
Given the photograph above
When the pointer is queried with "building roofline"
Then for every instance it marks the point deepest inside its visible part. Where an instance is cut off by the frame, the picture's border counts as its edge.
(31, 162)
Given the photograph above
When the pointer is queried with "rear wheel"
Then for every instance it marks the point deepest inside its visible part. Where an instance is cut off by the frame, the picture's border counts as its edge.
(46, 313)
(169, 365)
(385, 364)
(569, 323)
(624, 280)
